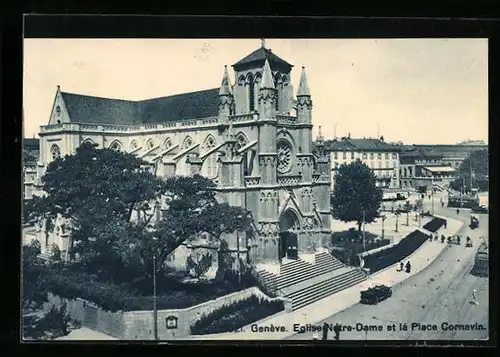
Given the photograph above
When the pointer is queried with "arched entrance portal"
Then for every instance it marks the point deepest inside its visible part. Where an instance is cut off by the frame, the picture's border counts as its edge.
(289, 228)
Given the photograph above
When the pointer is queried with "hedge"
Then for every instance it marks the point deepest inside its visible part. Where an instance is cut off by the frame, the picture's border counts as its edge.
(231, 317)
(435, 224)
(385, 258)
(348, 253)
(113, 298)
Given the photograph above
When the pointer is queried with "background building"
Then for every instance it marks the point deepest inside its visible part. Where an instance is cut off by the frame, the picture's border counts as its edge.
(381, 157)
(451, 155)
(31, 152)
(424, 167)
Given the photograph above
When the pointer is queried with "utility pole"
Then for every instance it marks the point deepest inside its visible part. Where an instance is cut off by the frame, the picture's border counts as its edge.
(364, 240)
(155, 310)
(470, 173)
(238, 251)
(432, 193)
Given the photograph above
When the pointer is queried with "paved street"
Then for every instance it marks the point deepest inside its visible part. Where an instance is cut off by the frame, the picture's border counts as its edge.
(439, 294)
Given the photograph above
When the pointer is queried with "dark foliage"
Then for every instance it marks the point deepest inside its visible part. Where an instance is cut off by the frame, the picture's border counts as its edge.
(55, 323)
(385, 258)
(234, 316)
(434, 225)
(100, 190)
(348, 253)
(355, 196)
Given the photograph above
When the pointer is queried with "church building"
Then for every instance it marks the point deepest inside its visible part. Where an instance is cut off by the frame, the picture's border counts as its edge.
(253, 138)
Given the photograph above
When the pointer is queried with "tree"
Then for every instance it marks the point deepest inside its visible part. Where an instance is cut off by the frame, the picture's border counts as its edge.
(198, 264)
(34, 289)
(477, 162)
(355, 195)
(109, 198)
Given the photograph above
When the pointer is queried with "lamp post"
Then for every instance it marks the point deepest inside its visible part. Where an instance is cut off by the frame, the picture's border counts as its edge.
(383, 219)
(397, 215)
(432, 193)
(155, 310)
(364, 240)
(238, 249)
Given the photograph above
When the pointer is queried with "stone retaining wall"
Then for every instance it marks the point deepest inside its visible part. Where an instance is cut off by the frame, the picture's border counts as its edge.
(138, 325)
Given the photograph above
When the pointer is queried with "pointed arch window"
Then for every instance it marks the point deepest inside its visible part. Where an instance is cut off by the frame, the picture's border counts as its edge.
(115, 145)
(251, 93)
(210, 166)
(167, 144)
(133, 145)
(55, 151)
(277, 85)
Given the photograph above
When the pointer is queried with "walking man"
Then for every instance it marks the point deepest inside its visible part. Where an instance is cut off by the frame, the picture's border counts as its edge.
(325, 331)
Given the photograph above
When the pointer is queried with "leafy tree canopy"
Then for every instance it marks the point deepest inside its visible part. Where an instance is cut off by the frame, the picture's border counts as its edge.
(355, 195)
(110, 199)
(478, 161)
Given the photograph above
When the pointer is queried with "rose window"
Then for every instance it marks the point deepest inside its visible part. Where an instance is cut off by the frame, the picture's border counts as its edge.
(284, 157)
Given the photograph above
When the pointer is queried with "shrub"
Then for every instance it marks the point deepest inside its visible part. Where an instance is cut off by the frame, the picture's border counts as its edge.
(55, 253)
(435, 224)
(236, 315)
(172, 293)
(382, 259)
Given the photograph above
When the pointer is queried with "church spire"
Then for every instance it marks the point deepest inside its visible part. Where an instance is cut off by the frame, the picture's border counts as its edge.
(262, 43)
(303, 86)
(225, 87)
(267, 77)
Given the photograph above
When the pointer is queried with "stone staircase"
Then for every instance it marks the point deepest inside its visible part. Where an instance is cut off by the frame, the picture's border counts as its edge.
(325, 288)
(305, 283)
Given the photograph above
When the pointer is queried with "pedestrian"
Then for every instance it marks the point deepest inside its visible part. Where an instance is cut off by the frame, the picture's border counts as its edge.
(325, 331)
(442, 238)
(336, 329)
(436, 237)
(458, 240)
(408, 267)
(474, 299)
(458, 211)
(445, 224)
(401, 266)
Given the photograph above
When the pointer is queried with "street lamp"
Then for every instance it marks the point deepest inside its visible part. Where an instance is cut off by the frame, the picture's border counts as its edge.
(383, 219)
(239, 218)
(397, 215)
(432, 193)
(155, 310)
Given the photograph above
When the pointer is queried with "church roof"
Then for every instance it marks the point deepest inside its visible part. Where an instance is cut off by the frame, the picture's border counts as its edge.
(95, 110)
(258, 58)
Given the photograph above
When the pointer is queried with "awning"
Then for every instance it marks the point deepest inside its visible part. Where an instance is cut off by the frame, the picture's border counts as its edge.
(440, 169)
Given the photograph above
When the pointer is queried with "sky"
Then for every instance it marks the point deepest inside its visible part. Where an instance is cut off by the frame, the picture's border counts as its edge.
(418, 91)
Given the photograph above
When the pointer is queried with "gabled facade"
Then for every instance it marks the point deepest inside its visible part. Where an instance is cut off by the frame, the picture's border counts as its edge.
(254, 138)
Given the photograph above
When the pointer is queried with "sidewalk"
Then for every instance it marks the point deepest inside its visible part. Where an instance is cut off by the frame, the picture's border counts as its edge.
(389, 226)
(84, 333)
(333, 304)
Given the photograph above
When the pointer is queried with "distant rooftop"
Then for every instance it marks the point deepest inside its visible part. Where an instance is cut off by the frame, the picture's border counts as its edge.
(352, 144)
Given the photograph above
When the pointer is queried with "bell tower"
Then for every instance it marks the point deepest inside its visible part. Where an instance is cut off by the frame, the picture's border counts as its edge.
(249, 77)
